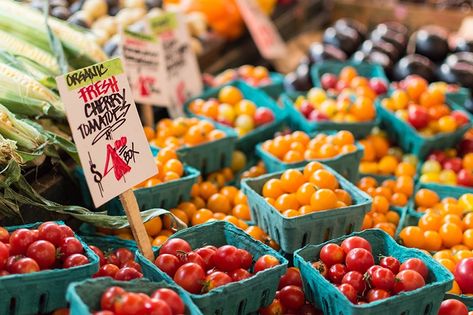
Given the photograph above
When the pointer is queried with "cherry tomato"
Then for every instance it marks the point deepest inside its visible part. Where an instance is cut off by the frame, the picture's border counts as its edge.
(132, 264)
(382, 278)
(113, 259)
(215, 280)
(452, 307)
(4, 235)
(107, 270)
(291, 277)
(206, 253)
(292, 297)
(359, 259)
(418, 116)
(167, 263)
(127, 274)
(408, 280)
(4, 273)
(175, 245)
(246, 258)
(227, 258)
(191, 257)
(356, 280)
(309, 309)
(75, 260)
(129, 304)
(265, 262)
(332, 254)
(172, 298)
(391, 263)
(24, 265)
(275, 308)
(20, 240)
(4, 254)
(50, 231)
(11, 260)
(355, 242)
(190, 277)
(66, 231)
(43, 252)
(158, 307)
(372, 269)
(377, 294)
(124, 255)
(320, 267)
(464, 275)
(98, 252)
(348, 291)
(417, 265)
(336, 273)
(69, 246)
(239, 274)
(109, 296)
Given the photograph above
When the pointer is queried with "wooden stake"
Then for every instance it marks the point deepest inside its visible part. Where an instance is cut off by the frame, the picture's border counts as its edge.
(132, 211)
(147, 115)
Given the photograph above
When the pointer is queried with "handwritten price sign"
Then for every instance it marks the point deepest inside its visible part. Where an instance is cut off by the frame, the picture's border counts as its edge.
(262, 30)
(106, 128)
(183, 73)
(145, 67)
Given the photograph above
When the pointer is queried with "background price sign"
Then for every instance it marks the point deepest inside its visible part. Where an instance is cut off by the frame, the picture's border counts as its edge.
(183, 73)
(145, 67)
(106, 128)
(262, 30)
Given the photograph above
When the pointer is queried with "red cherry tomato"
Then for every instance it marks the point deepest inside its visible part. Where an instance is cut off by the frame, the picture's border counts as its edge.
(20, 240)
(227, 258)
(174, 246)
(239, 274)
(275, 308)
(190, 277)
(132, 264)
(320, 267)
(332, 254)
(191, 257)
(75, 260)
(265, 262)
(336, 273)
(109, 296)
(43, 252)
(215, 280)
(107, 270)
(167, 263)
(377, 294)
(113, 259)
(51, 232)
(355, 242)
(356, 280)
(291, 277)
(4, 254)
(391, 263)
(124, 255)
(66, 231)
(127, 274)
(130, 304)
(246, 258)
(98, 252)
(206, 253)
(292, 297)
(69, 246)
(464, 275)
(452, 307)
(170, 297)
(408, 280)
(24, 265)
(417, 265)
(359, 259)
(382, 278)
(348, 291)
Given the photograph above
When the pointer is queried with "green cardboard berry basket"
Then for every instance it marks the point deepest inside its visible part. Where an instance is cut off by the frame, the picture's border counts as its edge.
(297, 121)
(84, 297)
(425, 300)
(42, 292)
(240, 297)
(248, 142)
(296, 232)
(345, 164)
(165, 195)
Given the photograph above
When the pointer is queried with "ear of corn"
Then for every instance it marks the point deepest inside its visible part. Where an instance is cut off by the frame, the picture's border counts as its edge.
(42, 74)
(24, 85)
(20, 47)
(28, 24)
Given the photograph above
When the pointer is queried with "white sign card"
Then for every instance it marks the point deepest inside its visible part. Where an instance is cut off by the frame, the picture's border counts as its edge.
(145, 67)
(262, 30)
(183, 73)
(106, 128)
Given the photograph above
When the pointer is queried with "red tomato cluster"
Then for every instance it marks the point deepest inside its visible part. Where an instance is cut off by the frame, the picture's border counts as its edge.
(208, 267)
(290, 297)
(117, 301)
(119, 264)
(351, 267)
(48, 247)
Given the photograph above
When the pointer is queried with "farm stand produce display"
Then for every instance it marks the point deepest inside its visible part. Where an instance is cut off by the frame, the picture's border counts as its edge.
(344, 187)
